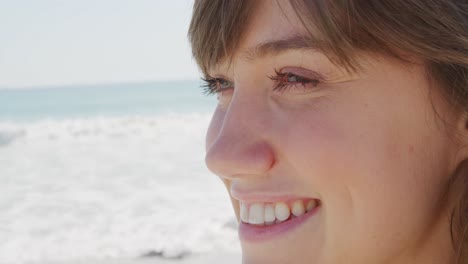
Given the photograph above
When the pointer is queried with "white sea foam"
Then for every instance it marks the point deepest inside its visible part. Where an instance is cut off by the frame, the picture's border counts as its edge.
(109, 187)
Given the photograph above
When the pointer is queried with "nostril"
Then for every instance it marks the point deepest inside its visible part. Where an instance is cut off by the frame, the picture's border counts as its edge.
(264, 157)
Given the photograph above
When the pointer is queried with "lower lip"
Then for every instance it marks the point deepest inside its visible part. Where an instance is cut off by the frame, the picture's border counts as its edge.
(254, 233)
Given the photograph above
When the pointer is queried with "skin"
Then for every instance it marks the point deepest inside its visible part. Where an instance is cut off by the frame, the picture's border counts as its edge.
(368, 145)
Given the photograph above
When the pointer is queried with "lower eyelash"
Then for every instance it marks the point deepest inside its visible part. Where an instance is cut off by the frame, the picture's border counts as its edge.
(281, 87)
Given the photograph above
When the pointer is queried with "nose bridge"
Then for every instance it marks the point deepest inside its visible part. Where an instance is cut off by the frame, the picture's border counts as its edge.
(241, 147)
(245, 117)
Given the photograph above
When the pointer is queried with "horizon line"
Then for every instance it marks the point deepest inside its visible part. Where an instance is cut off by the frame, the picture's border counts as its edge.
(90, 84)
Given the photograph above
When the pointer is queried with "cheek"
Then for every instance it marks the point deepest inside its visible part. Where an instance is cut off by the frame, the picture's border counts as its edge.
(373, 169)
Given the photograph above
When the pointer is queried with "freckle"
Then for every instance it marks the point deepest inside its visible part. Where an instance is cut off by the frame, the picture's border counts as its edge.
(411, 148)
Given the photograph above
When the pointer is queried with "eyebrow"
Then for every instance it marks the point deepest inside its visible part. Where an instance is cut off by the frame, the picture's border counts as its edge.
(276, 47)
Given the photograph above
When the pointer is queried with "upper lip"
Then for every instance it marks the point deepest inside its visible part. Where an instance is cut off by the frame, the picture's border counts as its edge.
(270, 196)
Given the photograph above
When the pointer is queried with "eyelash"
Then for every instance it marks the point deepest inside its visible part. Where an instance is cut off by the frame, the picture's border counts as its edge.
(212, 85)
(283, 83)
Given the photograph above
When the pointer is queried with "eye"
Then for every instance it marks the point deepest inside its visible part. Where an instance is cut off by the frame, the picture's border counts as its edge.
(286, 80)
(215, 85)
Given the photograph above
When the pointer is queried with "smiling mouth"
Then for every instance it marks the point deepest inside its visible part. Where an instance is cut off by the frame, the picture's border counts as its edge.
(267, 214)
(262, 221)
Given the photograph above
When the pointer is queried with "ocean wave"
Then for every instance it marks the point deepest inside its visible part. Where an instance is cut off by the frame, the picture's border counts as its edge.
(110, 187)
(125, 126)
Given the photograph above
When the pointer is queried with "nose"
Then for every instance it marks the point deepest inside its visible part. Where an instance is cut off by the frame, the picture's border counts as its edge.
(238, 144)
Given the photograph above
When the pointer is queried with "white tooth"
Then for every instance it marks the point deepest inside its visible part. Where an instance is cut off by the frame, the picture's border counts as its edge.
(311, 205)
(282, 211)
(244, 213)
(256, 214)
(298, 208)
(269, 216)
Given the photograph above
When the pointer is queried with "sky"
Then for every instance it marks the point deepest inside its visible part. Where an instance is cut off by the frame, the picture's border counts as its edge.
(69, 42)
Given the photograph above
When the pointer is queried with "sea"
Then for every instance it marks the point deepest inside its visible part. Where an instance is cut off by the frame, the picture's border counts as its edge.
(96, 172)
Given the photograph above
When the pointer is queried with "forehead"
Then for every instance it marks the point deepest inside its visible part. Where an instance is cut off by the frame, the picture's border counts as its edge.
(275, 27)
(271, 21)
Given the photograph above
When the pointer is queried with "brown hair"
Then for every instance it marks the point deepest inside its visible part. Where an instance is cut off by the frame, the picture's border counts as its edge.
(435, 31)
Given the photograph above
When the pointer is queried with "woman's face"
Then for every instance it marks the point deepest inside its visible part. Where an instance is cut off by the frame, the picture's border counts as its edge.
(366, 148)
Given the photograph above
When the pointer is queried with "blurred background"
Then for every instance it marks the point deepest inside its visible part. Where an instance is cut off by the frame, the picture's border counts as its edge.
(102, 125)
